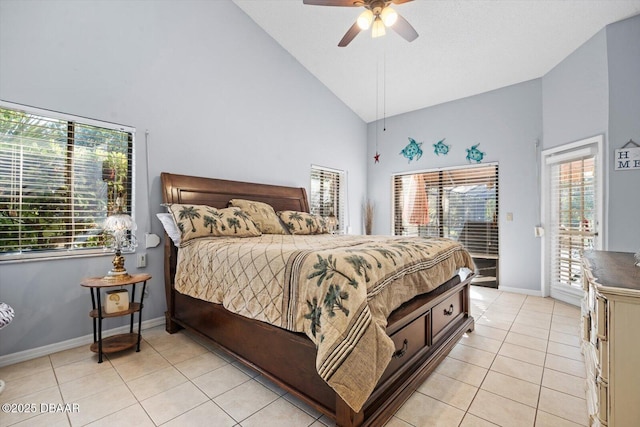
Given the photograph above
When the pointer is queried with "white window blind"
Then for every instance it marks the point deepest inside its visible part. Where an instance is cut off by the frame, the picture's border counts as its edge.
(573, 214)
(327, 194)
(60, 177)
(460, 203)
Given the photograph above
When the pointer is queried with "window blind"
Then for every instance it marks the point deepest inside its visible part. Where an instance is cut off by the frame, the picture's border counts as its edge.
(59, 179)
(458, 203)
(326, 194)
(573, 218)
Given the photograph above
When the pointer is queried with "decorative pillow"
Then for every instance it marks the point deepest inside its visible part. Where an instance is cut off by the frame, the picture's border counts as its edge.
(303, 222)
(170, 227)
(204, 221)
(262, 215)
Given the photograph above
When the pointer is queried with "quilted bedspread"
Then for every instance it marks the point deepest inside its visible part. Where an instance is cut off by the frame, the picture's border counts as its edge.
(338, 290)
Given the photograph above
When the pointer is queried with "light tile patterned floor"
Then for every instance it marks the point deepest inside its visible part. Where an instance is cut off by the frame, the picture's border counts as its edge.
(521, 367)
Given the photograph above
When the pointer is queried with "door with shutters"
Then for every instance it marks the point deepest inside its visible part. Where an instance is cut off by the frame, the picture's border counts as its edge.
(572, 215)
(459, 203)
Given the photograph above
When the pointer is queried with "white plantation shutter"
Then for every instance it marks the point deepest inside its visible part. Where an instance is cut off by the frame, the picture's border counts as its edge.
(60, 176)
(326, 196)
(573, 207)
(457, 203)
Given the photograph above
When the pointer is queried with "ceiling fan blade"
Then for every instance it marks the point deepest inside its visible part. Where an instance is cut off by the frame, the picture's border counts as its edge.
(405, 29)
(350, 35)
(400, 1)
(332, 2)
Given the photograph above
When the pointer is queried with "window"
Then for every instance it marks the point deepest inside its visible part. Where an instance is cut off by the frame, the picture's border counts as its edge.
(326, 198)
(60, 177)
(460, 204)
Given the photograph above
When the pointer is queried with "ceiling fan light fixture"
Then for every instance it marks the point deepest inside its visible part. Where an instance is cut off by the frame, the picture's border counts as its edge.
(388, 16)
(378, 28)
(365, 19)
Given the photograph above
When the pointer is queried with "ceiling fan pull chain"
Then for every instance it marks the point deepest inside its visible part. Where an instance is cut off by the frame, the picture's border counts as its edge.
(384, 90)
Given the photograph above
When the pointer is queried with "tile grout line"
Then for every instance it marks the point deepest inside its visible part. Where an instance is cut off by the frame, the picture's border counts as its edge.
(494, 303)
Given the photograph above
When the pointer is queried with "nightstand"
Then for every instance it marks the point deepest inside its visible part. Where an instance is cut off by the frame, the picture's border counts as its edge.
(121, 341)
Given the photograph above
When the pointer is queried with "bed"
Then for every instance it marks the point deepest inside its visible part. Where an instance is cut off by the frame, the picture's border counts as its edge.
(421, 330)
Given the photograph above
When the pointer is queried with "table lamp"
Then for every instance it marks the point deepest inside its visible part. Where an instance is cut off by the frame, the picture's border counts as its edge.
(117, 227)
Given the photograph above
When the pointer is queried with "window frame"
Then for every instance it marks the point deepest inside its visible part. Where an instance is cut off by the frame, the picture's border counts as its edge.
(441, 223)
(341, 215)
(592, 146)
(25, 255)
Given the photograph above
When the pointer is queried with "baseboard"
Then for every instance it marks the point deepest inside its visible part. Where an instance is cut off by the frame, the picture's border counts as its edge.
(21, 356)
(566, 294)
(520, 291)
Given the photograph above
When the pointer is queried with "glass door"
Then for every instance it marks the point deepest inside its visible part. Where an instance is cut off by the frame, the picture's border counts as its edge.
(573, 213)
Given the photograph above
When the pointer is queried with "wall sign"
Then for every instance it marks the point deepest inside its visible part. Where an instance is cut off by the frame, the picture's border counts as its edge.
(627, 157)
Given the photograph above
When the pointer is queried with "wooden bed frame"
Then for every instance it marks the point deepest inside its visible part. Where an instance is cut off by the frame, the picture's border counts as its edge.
(423, 329)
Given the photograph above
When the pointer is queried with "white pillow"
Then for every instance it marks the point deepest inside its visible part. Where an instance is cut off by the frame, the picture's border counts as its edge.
(170, 227)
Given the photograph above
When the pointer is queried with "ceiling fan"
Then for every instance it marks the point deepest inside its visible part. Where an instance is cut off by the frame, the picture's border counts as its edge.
(378, 15)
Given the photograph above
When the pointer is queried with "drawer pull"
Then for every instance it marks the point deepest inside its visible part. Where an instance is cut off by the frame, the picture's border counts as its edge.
(399, 353)
(449, 311)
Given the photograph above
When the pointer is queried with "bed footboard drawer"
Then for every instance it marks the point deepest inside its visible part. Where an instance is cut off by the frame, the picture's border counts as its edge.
(446, 313)
(409, 341)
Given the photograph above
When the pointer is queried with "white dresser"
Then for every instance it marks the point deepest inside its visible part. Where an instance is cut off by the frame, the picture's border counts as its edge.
(611, 338)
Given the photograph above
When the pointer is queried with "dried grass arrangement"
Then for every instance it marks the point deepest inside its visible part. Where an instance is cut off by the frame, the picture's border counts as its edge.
(368, 208)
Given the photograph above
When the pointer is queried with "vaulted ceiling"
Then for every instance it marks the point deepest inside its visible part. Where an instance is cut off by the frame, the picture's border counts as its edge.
(465, 47)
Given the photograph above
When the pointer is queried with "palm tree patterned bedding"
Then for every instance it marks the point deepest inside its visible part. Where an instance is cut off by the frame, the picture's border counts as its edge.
(338, 290)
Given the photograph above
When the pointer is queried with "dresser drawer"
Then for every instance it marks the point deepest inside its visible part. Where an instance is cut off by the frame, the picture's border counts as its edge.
(603, 392)
(408, 341)
(601, 317)
(586, 328)
(603, 359)
(446, 313)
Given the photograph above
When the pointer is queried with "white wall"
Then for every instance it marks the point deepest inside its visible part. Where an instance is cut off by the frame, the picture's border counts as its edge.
(506, 123)
(219, 97)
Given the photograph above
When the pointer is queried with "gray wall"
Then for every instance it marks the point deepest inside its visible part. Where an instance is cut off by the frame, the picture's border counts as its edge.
(575, 95)
(623, 49)
(506, 123)
(219, 97)
(596, 90)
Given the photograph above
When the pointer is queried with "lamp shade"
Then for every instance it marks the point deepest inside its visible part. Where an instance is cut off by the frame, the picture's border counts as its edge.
(378, 28)
(365, 19)
(119, 222)
(117, 226)
(389, 16)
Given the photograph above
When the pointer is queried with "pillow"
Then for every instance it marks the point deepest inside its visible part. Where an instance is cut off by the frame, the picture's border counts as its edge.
(170, 227)
(303, 222)
(204, 221)
(262, 215)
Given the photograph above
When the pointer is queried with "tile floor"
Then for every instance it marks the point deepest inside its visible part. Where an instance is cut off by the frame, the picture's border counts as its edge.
(521, 367)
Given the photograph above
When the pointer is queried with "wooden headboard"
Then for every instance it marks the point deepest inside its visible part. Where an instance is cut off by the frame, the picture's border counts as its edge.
(217, 192)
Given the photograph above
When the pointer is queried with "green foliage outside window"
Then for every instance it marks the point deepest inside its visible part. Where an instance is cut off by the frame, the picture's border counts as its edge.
(59, 179)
